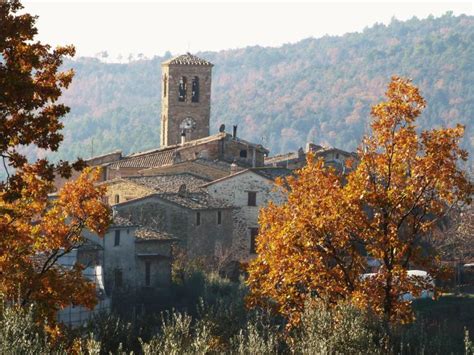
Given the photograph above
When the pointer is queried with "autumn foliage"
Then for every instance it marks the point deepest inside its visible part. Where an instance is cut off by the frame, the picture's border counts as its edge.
(317, 244)
(36, 227)
(37, 230)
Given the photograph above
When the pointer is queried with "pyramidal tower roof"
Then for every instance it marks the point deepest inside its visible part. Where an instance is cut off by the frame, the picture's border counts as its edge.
(187, 59)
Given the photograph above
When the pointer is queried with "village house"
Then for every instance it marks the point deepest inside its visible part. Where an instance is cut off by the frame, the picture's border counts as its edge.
(247, 191)
(199, 192)
(207, 169)
(333, 157)
(136, 257)
(132, 187)
(202, 224)
(174, 204)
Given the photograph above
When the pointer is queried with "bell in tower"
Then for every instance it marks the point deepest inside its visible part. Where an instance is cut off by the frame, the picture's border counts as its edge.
(186, 99)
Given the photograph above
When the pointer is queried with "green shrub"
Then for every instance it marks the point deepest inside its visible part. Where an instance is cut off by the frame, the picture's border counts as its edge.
(19, 333)
(340, 330)
(257, 337)
(179, 336)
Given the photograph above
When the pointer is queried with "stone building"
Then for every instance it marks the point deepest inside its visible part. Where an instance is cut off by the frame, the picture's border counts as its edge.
(186, 99)
(90, 255)
(202, 224)
(220, 147)
(135, 256)
(100, 161)
(198, 191)
(247, 191)
(175, 204)
(133, 187)
(207, 169)
(295, 160)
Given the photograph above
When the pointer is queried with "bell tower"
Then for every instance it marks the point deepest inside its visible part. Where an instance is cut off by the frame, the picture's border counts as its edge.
(185, 99)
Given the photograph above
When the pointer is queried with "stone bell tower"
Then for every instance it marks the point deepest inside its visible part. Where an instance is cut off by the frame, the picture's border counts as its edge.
(185, 99)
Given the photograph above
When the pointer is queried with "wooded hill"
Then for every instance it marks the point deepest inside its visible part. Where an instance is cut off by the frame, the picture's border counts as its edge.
(318, 90)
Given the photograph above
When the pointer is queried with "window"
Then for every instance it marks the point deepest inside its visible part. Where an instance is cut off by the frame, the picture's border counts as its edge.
(195, 90)
(118, 278)
(253, 237)
(165, 84)
(198, 218)
(117, 198)
(219, 217)
(252, 198)
(243, 153)
(117, 237)
(337, 155)
(182, 89)
(147, 273)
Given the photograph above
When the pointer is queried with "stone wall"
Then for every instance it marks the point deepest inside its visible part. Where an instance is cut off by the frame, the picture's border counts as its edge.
(224, 147)
(174, 112)
(234, 190)
(130, 257)
(158, 255)
(181, 223)
(204, 171)
(125, 191)
(120, 257)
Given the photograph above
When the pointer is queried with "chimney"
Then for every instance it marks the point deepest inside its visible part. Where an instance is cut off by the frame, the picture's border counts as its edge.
(234, 168)
(183, 136)
(234, 131)
(311, 147)
(301, 153)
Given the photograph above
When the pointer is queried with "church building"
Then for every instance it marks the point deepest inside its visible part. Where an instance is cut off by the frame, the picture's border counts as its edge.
(185, 99)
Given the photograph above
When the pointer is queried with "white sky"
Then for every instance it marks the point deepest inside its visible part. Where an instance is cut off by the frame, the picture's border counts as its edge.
(154, 27)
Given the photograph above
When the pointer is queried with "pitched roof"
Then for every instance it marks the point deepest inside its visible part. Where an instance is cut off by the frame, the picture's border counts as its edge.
(170, 182)
(119, 221)
(267, 172)
(318, 151)
(187, 59)
(169, 155)
(213, 168)
(272, 172)
(147, 233)
(194, 201)
(282, 157)
(157, 157)
(217, 164)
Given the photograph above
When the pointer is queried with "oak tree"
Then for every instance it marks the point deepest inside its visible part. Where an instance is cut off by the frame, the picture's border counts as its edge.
(37, 228)
(317, 244)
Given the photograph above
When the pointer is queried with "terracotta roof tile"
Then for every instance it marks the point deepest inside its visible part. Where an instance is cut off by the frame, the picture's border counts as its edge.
(188, 59)
(195, 201)
(272, 172)
(147, 233)
(281, 157)
(170, 182)
(146, 160)
(119, 221)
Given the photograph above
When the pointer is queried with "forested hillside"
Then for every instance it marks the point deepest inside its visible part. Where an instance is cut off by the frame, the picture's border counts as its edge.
(317, 89)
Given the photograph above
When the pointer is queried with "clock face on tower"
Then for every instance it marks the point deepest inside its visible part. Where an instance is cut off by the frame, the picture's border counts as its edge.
(188, 124)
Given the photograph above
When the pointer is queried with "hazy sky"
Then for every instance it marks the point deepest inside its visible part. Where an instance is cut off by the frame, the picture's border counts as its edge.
(154, 27)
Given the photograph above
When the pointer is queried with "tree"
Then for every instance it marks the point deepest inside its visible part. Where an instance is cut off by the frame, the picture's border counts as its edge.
(316, 244)
(31, 85)
(37, 229)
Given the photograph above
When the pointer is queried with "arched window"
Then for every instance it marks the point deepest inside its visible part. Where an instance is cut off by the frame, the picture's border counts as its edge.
(182, 89)
(165, 84)
(195, 87)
